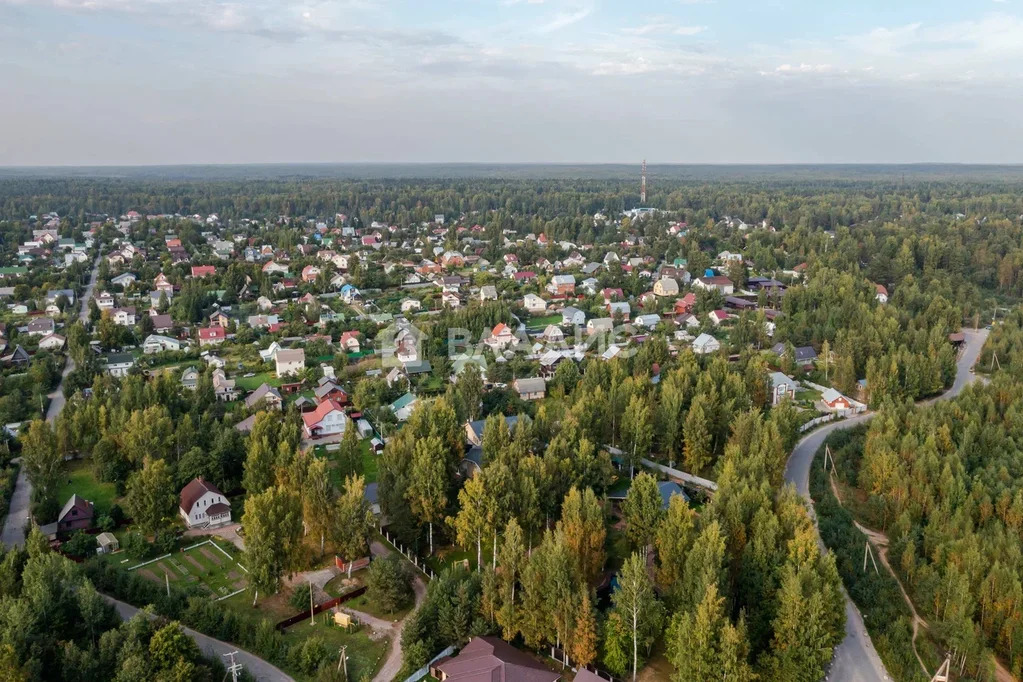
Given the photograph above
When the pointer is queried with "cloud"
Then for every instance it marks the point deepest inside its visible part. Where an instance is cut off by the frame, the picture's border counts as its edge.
(565, 19)
(662, 26)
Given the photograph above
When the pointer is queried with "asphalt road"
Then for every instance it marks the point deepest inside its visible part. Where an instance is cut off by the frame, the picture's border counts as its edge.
(214, 648)
(855, 659)
(13, 533)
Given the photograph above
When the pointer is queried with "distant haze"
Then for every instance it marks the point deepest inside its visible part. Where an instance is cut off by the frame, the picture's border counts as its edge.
(135, 82)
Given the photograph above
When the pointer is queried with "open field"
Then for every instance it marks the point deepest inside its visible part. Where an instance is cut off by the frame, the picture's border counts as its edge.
(80, 479)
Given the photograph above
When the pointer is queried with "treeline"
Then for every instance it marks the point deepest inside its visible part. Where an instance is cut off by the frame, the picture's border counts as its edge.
(944, 484)
(55, 626)
(739, 589)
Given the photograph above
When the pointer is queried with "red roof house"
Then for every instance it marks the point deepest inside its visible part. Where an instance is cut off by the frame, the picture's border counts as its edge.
(203, 270)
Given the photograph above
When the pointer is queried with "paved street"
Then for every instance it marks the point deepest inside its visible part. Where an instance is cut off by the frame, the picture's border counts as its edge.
(13, 533)
(214, 648)
(855, 659)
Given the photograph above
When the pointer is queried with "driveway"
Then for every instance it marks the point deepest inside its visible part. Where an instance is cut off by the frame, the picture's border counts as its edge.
(855, 659)
(214, 648)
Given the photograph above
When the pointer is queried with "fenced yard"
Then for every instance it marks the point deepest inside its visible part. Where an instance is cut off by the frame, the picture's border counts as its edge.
(205, 564)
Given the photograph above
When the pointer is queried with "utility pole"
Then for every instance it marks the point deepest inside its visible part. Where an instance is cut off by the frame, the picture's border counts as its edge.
(166, 580)
(312, 612)
(342, 659)
(234, 668)
(867, 550)
(942, 674)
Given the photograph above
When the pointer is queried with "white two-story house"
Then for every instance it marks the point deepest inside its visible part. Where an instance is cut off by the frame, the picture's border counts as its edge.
(203, 505)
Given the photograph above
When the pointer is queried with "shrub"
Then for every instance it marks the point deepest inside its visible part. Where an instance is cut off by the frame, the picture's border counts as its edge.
(164, 541)
(80, 545)
(136, 546)
(299, 598)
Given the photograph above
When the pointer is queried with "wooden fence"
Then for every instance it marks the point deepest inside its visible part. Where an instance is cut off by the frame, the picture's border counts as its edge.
(319, 608)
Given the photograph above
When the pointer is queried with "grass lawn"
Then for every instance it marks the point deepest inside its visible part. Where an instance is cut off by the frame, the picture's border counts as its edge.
(542, 322)
(370, 463)
(366, 605)
(257, 380)
(80, 479)
(446, 556)
(365, 654)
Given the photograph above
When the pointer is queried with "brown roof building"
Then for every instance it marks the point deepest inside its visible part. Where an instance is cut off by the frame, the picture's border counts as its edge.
(202, 504)
(490, 659)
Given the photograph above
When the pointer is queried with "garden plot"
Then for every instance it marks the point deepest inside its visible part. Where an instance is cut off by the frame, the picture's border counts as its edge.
(204, 564)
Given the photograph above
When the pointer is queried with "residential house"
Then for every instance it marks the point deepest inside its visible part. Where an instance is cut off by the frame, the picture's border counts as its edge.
(220, 319)
(534, 304)
(488, 292)
(265, 397)
(329, 390)
(76, 514)
(124, 280)
(124, 317)
(665, 286)
(621, 308)
(328, 419)
(403, 407)
(52, 342)
(553, 334)
(203, 270)
(705, 344)
(531, 389)
(223, 388)
(350, 294)
(410, 304)
(211, 336)
(269, 353)
(349, 342)
(718, 283)
(486, 659)
(310, 273)
(450, 299)
(562, 285)
(501, 337)
(201, 504)
(161, 323)
(717, 316)
(290, 361)
(41, 326)
(156, 343)
(648, 321)
(118, 364)
(782, 387)
(835, 401)
(190, 378)
(573, 316)
(882, 293)
(599, 325)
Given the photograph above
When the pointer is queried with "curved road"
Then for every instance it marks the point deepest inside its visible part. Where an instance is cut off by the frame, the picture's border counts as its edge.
(214, 648)
(855, 659)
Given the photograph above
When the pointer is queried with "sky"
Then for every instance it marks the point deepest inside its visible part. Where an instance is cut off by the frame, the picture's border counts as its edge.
(97, 82)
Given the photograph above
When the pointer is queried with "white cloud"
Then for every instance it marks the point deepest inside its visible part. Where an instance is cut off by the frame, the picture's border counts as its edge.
(565, 19)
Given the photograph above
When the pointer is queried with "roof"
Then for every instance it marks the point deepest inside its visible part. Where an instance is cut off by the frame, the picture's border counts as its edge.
(195, 489)
(75, 501)
(326, 388)
(669, 488)
(777, 379)
(531, 385)
(120, 359)
(403, 401)
(313, 418)
(490, 659)
(290, 355)
(215, 332)
(703, 339)
(260, 393)
(830, 395)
